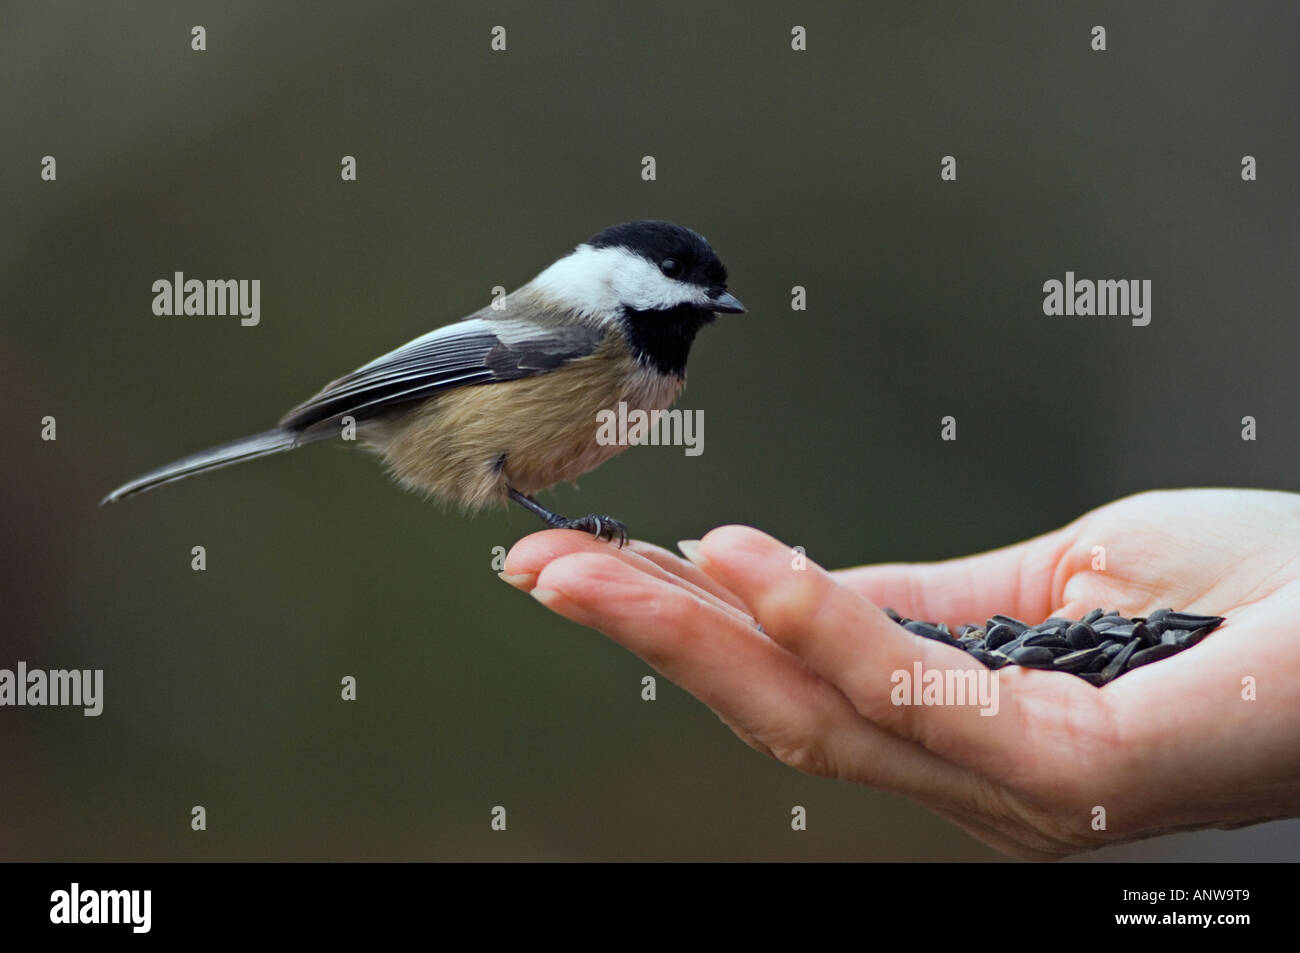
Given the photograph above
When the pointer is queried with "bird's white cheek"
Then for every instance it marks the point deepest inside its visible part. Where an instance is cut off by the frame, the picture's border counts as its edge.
(648, 289)
(601, 281)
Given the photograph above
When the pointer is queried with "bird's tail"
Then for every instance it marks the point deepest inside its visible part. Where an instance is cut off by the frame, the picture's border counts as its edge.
(258, 445)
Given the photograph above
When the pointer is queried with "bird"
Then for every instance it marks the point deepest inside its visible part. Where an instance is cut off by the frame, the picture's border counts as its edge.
(503, 404)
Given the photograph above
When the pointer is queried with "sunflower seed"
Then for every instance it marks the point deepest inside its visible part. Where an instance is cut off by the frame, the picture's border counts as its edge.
(1077, 661)
(1119, 661)
(1187, 639)
(998, 635)
(1034, 656)
(1015, 624)
(1099, 648)
(1100, 661)
(1081, 636)
(1153, 654)
(1143, 632)
(1185, 620)
(1048, 639)
(931, 632)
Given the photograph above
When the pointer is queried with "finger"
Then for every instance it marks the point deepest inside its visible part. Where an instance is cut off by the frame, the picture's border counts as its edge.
(997, 839)
(1017, 580)
(853, 645)
(528, 556)
(671, 562)
(769, 698)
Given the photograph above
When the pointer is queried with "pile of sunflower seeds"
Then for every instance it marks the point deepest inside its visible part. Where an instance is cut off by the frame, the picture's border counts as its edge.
(1098, 648)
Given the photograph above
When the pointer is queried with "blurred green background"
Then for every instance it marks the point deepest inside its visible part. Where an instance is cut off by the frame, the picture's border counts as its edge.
(477, 169)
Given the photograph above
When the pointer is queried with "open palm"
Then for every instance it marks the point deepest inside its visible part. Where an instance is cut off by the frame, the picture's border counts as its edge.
(1210, 737)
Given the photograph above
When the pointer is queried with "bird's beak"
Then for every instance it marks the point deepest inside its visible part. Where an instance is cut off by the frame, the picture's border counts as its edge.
(728, 303)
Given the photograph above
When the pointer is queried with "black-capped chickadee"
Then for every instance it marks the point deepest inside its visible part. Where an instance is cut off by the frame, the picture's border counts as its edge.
(504, 403)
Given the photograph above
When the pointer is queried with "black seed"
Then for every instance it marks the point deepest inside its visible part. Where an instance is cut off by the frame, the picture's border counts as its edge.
(1184, 620)
(999, 635)
(1153, 654)
(1141, 631)
(1048, 639)
(1081, 636)
(1078, 661)
(1188, 639)
(1099, 648)
(1015, 624)
(930, 632)
(1034, 656)
(892, 614)
(1118, 663)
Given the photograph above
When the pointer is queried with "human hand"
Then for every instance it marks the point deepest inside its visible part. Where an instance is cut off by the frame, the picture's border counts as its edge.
(1171, 746)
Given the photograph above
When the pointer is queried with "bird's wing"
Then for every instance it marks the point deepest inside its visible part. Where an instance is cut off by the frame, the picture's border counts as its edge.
(473, 351)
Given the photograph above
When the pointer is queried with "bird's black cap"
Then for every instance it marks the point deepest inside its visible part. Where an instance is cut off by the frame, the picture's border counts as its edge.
(656, 241)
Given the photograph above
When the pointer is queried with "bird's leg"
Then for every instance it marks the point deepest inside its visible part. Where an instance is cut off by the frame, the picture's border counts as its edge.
(602, 527)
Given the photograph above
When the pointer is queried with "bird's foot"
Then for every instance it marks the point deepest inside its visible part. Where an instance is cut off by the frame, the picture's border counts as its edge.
(600, 526)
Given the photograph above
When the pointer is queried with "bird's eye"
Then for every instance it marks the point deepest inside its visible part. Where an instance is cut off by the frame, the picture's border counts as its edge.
(671, 267)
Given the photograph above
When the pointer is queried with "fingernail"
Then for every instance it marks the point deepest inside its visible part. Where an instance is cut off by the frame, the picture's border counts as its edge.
(520, 580)
(690, 549)
(545, 596)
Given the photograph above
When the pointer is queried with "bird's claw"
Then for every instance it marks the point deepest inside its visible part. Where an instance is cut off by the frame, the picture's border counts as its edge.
(600, 526)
